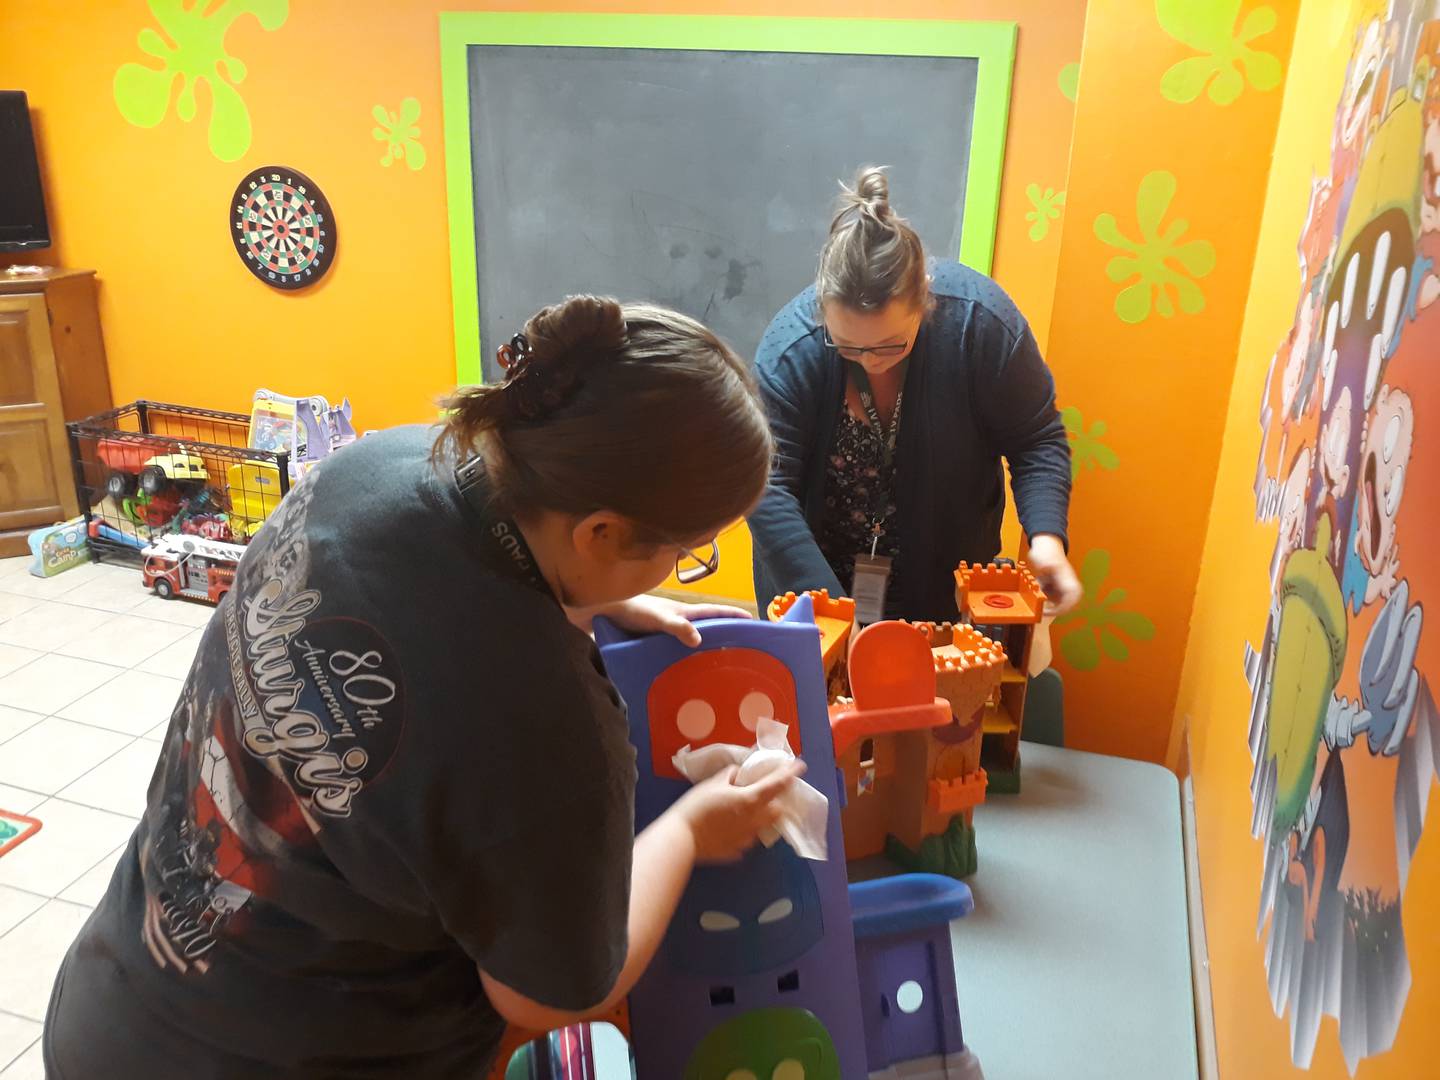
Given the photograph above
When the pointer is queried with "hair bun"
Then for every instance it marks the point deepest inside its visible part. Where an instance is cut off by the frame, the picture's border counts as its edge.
(873, 187)
(581, 326)
(873, 255)
(866, 199)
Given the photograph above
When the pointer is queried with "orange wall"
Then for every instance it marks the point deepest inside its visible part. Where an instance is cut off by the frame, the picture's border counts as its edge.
(1235, 595)
(183, 319)
(1158, 383)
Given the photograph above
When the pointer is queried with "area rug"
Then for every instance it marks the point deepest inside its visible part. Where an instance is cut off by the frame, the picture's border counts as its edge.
(15, 829)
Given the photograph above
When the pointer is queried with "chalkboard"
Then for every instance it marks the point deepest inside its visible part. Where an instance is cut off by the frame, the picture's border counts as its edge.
(701, 178)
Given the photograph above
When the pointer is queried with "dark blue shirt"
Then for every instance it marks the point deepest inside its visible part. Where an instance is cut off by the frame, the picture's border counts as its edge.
(976, 391)
(340, 831)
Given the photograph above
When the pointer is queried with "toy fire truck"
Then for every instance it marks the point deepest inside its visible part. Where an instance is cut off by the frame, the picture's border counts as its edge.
(191, 566)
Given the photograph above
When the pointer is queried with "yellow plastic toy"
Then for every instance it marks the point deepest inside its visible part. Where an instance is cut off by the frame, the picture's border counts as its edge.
(254, 491)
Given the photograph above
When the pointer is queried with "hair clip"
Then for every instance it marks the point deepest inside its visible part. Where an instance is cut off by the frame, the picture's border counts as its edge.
(514, 356)
(534, 389)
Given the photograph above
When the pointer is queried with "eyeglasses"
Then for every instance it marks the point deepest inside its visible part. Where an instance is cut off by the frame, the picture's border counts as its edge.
(852, 352)
(693, 566)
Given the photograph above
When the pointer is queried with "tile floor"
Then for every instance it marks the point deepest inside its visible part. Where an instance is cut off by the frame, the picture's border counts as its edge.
(90, 665)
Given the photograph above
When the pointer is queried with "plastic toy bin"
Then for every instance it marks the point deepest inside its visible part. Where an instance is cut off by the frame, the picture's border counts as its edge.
(148, 469)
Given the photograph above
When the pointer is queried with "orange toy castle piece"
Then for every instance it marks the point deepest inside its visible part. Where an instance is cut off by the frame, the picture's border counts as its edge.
(1004, 604)
(1000, 595)
(834, 616)
(967, 670)
(937, 633)
(950, 797)
(892, 680)
(910, 704)
(908, 744)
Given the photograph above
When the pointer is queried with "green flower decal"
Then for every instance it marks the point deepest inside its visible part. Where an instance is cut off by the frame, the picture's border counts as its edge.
(1070, 79)
(1096, 625)
(1046, 208)
(1147, 266)
(1086, 448)
(7, 830)
(195, 51)
(400, 134)
(1227, 61)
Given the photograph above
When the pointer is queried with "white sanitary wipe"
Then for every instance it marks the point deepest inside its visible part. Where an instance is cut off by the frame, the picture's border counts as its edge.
(805, 812)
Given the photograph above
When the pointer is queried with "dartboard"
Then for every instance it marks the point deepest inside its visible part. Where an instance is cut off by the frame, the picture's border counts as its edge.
(283, 227)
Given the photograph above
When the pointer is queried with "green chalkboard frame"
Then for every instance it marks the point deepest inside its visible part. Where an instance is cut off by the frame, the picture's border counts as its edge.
(992, 44)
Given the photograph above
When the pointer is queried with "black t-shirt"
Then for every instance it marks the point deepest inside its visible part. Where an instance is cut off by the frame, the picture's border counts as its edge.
(394, 760)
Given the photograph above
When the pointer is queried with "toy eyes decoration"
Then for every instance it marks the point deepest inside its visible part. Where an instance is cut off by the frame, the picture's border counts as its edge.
(780, 909)
(718, 922)
(696, 719)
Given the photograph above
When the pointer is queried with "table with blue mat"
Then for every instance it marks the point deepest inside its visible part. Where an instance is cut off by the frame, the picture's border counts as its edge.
(1075, 963)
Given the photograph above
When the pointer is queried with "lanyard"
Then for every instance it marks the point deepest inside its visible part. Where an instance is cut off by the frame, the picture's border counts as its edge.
(886, 438)
(502, 544)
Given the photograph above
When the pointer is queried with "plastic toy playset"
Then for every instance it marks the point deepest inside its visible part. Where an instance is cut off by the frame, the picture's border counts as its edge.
(926, 717)
(776, 967)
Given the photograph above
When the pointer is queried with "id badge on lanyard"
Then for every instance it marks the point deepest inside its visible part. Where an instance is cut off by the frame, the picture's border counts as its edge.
(872, 570)
(872, 582)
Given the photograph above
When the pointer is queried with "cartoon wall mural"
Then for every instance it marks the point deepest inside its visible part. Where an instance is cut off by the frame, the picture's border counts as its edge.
(1344, 732)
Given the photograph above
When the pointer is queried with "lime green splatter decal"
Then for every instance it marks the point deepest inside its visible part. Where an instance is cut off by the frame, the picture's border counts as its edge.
(1094, 628)
(400, 134)
(1226, 61)
(1046, 208)
(1148, 265)
(1086, 448)
(193, 47)
(1070, 79)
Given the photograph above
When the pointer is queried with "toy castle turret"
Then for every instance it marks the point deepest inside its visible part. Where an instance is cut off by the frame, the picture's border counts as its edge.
(1005, 603)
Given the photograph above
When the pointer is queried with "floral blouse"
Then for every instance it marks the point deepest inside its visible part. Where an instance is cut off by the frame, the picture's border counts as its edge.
(856, 465)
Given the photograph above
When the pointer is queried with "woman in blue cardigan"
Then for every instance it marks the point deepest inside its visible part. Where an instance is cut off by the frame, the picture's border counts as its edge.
(894, 389)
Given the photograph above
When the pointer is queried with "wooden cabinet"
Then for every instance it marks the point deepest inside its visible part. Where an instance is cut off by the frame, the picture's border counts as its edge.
(52, 369)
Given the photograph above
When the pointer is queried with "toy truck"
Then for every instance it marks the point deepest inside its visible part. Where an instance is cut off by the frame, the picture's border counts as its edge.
(135, 464)
(192, 567)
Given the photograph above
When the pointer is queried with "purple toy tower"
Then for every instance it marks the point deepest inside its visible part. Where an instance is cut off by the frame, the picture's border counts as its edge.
(757, 975)
(907, 977)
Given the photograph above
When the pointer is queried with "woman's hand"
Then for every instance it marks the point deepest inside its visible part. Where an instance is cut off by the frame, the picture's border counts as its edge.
(726, 820)
(1047, 561)
(714, 821)
(656, 615)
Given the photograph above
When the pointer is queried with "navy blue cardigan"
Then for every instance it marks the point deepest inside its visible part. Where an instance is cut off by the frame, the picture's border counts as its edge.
(977, 390)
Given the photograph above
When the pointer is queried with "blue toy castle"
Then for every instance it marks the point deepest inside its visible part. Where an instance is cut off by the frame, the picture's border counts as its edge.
(775, 968)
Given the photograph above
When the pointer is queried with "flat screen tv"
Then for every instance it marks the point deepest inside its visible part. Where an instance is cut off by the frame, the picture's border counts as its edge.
(23, 224)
